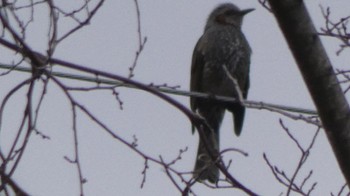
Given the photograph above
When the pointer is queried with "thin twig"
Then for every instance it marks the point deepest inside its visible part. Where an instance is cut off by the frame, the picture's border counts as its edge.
(248, 103)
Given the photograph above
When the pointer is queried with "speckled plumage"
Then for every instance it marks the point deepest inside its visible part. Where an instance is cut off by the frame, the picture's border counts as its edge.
(222, 43)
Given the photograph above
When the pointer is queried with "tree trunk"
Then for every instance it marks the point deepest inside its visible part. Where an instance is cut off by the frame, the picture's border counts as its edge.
(318, 75)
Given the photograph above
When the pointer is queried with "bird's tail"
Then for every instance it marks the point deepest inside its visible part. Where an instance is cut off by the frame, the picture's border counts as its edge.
(205, 168)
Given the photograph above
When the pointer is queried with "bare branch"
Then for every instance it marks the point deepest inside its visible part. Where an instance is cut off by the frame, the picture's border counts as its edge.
(338, 30)
(283, 178)
(141, 41)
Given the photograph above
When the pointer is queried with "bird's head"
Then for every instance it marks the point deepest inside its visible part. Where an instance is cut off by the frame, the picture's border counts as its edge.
(227, 14)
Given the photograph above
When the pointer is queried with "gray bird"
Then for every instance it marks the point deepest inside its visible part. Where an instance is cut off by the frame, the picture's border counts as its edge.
(222, 44)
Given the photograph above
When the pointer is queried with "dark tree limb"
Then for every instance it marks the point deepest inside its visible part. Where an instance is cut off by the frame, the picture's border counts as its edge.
(318, 75)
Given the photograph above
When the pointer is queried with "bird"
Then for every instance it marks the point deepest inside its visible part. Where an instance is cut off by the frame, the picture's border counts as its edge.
(222, 46)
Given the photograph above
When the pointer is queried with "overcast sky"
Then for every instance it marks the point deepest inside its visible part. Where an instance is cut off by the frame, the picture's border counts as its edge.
(172, 29)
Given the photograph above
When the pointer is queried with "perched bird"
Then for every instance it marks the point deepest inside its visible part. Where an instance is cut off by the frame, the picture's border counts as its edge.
(222, 44)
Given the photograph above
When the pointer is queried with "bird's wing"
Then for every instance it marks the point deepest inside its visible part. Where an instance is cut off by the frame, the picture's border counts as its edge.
(196, 72)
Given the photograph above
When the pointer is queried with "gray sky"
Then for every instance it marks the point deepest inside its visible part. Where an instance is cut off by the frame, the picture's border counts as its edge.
(172, 30)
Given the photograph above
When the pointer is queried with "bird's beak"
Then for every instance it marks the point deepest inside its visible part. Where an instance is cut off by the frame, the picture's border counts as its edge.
(246, 11)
